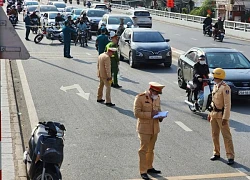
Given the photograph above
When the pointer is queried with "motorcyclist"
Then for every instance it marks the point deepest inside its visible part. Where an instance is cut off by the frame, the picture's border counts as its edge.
(103, 26)
(13, 10)
(85, 18)
(34, 15)
(81, 26)
(218, 26)
(129, 25)
(59, 19)
(77, 21)
(89, 4)
(207, 22)
(200, 72)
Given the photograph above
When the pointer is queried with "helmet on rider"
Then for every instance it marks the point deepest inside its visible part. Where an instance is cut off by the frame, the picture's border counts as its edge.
(208, 15)
(202, 59)
(219, 18)
(219, 73)
(112, 34)
(129, 25)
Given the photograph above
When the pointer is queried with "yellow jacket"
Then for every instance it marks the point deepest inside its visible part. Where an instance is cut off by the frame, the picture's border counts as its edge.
(103, 66)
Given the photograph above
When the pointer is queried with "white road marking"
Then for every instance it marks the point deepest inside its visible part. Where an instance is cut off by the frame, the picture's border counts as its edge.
(78, 87)
(244, 171)
(88, 54)
(194, 39)
(177, 34)
(28, 98)
(183, 126)
(176, 82)
(214, 44)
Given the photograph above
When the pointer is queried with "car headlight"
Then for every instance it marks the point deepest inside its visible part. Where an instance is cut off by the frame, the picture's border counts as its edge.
(169, 53)
(139, 54)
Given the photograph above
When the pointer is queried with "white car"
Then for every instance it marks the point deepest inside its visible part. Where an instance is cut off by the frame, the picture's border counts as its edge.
(50, 20)
(141, 17)
(29, 3)
(112, 21)
(59, 5)
(46, 9)
(67, 10)
(100, 6)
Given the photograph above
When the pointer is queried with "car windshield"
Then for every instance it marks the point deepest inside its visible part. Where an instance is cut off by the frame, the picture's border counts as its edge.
(227, 60)
(48, 8)
(52, 15)
(95, 13)
(31, 3)
(69, 9)
(117, 20)
(148, 37)
(78, 11)
(32, 8)
(141, 13)
(101, 7)
(60, 5)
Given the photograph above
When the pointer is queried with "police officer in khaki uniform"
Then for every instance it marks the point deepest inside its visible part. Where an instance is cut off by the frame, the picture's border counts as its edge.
(146, 106)
(219, 116)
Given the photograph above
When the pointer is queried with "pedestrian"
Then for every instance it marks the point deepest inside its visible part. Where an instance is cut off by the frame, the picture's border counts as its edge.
(27, 21)
(67, 31)
(146, 106)
(114, 59)
(101, 41)
(219, 116)
(104, 74)
(121, 27)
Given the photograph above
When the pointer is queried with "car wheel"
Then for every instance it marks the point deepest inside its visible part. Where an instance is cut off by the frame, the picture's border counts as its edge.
(181, 82)
(131, 60)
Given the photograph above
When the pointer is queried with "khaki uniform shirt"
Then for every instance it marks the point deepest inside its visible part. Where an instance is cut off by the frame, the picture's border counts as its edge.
(104, 66)
(143, 107)
(221, 98)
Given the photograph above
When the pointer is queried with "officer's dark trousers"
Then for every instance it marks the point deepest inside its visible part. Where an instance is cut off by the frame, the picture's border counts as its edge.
(27, 32)
(66, 49)
(197, 89)
(114, 72)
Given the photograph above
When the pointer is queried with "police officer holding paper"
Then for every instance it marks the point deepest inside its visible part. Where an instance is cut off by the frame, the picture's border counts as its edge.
(219, 116)
(146, 106)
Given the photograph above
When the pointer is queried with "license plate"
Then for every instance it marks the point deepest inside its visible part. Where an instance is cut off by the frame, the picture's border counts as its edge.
(155, 57)
(222, 34)
(244, 92)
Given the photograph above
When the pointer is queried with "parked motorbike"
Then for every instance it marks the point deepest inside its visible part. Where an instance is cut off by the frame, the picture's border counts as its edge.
(44, 155)
(204, 97)
(208, 30)
(220, 35)
(34, 25)
(49, 33)
(13, 19)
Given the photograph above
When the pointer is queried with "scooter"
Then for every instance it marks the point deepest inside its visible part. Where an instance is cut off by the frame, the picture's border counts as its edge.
(204, 97)
(82, 37)
(49, 33)
(44, 156)
(208, 30)
(13, 19)
(220, 35)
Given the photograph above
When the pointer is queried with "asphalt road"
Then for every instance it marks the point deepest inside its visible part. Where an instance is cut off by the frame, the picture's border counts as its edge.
(101, 142)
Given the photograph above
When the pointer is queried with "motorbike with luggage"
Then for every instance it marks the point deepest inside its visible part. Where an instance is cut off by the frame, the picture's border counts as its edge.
(50, 33)
(204, 96)
(44, 155)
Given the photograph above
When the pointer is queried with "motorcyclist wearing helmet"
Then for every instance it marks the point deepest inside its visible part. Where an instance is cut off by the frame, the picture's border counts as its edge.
(129, 25)
(200, 72)
(207, 22)
(13, 11)
(59, 19)
(218, 26)
(103, 25)
(85, 18)
(220, 115)
(34, 15)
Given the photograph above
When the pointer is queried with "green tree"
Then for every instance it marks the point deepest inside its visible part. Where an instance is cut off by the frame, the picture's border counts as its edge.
(207, 6)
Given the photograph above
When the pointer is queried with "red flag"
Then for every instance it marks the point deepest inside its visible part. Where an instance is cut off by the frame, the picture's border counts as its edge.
(170, 3)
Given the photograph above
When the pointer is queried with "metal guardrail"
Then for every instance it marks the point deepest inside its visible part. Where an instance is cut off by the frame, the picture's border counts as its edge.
(186, 17)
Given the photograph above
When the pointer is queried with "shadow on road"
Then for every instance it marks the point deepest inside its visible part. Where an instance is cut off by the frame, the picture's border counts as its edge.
(126, 112)
(129, 92)
(157, 69)
(239, 127)
(234, 43)
(128, 80)
(241, 106)
(81, 61)
(73, 72)
(236, 165)
(158, 176)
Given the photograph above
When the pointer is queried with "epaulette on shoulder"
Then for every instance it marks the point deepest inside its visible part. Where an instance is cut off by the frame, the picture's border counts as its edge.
(141, 94)
(224, 84)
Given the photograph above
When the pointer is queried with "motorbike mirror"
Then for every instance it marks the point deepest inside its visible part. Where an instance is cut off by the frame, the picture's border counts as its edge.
(167, 40)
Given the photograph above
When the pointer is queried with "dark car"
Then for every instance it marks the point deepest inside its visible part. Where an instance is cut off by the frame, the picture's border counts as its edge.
(143, 45)
(94, 16)
(235, 64)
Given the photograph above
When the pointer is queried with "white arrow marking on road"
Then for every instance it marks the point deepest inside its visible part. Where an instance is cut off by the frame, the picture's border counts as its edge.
(78, 87)
(183, 126)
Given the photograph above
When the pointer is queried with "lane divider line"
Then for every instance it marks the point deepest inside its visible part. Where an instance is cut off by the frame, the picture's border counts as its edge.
(183, 126)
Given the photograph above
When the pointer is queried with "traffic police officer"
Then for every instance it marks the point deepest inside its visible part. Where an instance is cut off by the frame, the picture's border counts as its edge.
(114, 59)
(219, 116)
(67, 39)
(146, 106)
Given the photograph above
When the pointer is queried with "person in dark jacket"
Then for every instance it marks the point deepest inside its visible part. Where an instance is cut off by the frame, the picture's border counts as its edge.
(67, 31)
(27, 21)
(219, 25)
(207, 22)
(201, 72)
(101, 41)
(59, 19)
(103, 25)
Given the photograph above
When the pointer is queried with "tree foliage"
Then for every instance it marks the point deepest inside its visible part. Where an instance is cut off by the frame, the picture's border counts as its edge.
(207, 6)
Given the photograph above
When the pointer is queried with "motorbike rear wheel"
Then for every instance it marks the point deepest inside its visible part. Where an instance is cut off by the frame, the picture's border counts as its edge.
(38, 38)
(49, 175)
